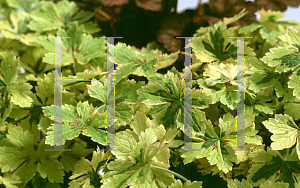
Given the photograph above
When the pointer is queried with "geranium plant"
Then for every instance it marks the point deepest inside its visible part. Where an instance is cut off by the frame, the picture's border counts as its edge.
(149, 115)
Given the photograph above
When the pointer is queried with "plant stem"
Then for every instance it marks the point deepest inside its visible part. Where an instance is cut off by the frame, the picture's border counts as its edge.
(174, 152)
(287, 153)
(200, 139)
(73, 68)
(171, 172)
(259, 55)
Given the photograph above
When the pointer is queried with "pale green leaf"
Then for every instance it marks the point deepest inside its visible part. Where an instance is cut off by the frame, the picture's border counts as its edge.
(285, 132)
(20, 94)
(9, 180)
(293, 37)
(85, 169)
(267, 166)
(283, 59)
(294, 82)
(250, 28)
(44, 162)
(269, 34)
(140, 123)
(291, 109)
(237, 184)
(213, 47)
(187, 184)
(236, 17)
(141, 162)
(9, 66)
(85, 118)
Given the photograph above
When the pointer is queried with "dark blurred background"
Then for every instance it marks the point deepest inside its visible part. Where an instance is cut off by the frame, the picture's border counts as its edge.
(144, 21)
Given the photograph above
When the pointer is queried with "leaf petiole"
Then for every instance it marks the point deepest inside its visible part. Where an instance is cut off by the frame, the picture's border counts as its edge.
(171, 172)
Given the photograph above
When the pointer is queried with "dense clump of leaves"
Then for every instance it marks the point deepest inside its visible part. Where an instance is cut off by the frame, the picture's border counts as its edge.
(149, 115)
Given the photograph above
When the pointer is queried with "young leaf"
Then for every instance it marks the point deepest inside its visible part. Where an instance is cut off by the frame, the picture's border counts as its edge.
(19, 30)
(213, 46)
(237, 184)
(245, 184)
(138, 62)
(79, 46)
(83, 118)
(140, 123)
(53, 16)
(235, 18)
(268, 184)
(125, 94)
(139, 165)
(187, 184)
(226, 92)
(269, 34)
(86, 173)
(268, 26)
(167, 99)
